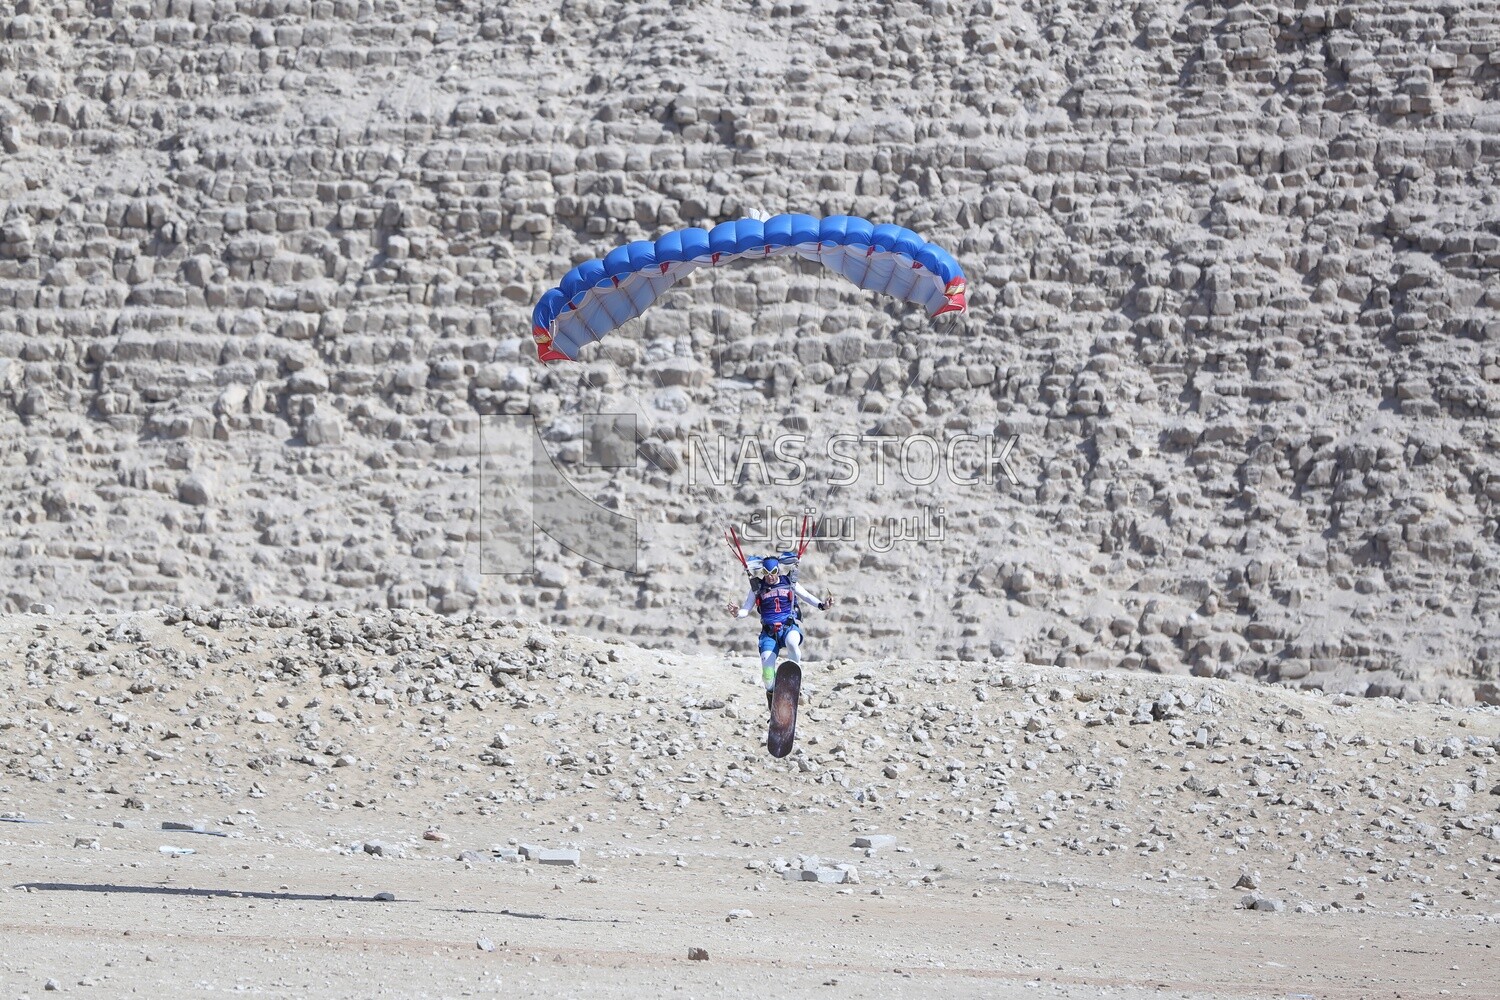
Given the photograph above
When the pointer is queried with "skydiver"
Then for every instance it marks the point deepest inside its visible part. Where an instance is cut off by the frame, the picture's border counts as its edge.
(778, 597)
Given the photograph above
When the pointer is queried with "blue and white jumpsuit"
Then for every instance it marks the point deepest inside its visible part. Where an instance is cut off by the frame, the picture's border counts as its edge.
(776, 600)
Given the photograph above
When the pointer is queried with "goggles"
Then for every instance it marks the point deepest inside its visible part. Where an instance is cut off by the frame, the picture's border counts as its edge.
(767, 567)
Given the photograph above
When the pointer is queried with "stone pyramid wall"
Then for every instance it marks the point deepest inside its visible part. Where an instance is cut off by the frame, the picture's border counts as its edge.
(266, 265)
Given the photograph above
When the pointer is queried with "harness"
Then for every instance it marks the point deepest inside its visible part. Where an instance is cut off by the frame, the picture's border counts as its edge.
(778, 630)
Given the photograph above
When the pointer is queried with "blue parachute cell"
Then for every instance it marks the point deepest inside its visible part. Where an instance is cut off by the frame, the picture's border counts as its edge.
(630, 258)
(791, 231)
(897, 239)
(846, 230)
(682, 245)
(548, 306)
(579, 280)
(738, 237)
(598, 296)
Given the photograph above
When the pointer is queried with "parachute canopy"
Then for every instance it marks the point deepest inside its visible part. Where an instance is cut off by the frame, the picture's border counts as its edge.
(599, 295)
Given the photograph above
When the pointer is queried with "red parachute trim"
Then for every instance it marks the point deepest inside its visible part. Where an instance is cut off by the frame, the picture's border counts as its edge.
(955, 304)
(545, 349)
(957, 301)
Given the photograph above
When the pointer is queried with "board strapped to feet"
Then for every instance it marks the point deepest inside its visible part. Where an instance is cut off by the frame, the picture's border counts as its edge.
(783, 728)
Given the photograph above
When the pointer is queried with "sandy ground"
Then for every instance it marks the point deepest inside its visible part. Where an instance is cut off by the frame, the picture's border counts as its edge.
(1047, 836)
(261, 919)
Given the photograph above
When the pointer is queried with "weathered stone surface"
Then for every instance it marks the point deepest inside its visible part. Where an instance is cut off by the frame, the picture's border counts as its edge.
(1234, 285)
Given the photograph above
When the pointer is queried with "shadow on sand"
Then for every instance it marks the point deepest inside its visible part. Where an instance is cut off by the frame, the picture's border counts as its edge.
(538, 916)
(170, 890)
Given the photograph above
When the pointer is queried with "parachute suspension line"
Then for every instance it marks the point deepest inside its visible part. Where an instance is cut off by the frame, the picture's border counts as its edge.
(718, 347)
(779, 318)
(806, 269)
(734, 545)
(804, 535)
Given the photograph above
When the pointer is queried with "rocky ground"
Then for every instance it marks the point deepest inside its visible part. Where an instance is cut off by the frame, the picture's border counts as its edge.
(266, 268)
(552, 814)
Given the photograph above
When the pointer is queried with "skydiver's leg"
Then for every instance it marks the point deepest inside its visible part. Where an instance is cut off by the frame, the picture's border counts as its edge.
(768, 665)
(793, 645)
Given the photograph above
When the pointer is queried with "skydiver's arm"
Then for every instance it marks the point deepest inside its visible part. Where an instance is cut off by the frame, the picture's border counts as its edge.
(746, 605)
(803, 595)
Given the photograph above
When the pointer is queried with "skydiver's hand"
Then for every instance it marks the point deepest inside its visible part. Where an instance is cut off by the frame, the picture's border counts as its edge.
(827, 603)
(733, 610)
